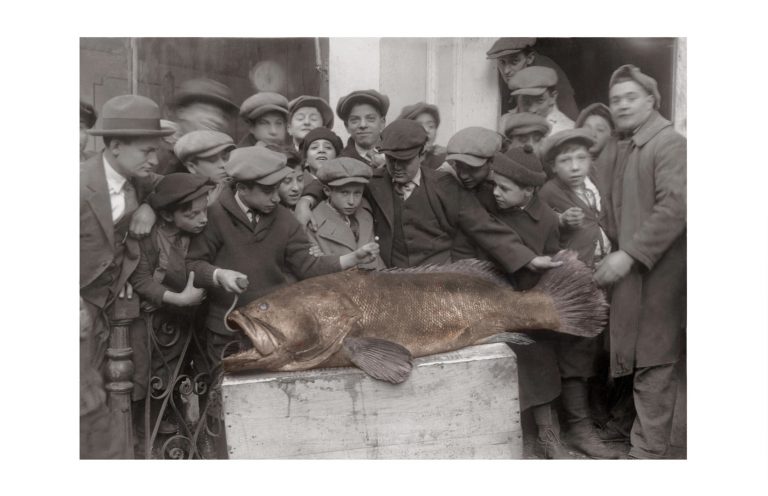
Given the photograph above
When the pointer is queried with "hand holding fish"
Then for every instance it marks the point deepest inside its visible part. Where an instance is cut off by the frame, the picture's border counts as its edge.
(540, 264)
(232, 280)
(142, 221)
(613, 268)
(572, 218)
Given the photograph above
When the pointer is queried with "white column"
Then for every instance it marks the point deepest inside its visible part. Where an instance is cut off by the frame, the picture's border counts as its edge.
(680, 107)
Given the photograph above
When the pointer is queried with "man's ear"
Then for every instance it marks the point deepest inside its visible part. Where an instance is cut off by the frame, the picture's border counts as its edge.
(166, 216)
(554, 94)
(114, 146)
(190, 165)
(327, 190)
(529, 58)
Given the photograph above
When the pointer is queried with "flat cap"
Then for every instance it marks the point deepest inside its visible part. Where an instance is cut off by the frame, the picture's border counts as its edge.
(372, 97)
(315, 102)
(259, 104)
(514, 123)
(177, 188)
(203, 143)
(521, 165)
(344, 170)
(257, 163)
(473, 146)
(88, 114)
(533, 80)
(403, 139)
(204, 90)
(595, 109)
(130, 115)
(508, 46)
(647, 82)
(552, 144)
(321, 133)
(415, 110)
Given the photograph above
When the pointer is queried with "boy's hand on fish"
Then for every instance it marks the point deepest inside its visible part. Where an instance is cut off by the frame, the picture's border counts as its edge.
(315, 251)
(303, 213)
(542, 263)
(613, 268)
(368, 252)
(232, 281)
(573, 218)
(191, 295)
(142, 221)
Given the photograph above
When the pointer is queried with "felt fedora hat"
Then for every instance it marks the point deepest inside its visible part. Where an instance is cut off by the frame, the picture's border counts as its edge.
(130, 115)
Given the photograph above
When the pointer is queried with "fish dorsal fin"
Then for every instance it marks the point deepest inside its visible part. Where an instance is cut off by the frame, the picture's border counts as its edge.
(379, 358)
(468, 266)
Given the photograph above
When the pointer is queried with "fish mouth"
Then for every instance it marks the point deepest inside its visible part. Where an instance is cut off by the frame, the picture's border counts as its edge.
(263, 340)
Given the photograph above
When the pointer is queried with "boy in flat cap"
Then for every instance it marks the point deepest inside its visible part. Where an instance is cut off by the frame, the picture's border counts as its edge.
(251, 242)
(88, 118)
(292, 185)
(344, 221)
(429, 117)
(203, 103)
(204, 153)
(524, 129)
(112, 184)
(364, 113)
(514, 54)
(535, 89)
(167, 293)
(645, 218)
(266, 114)
(306, 113)
(417, 212)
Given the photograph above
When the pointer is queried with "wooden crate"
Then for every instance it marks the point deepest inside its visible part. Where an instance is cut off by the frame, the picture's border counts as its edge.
(462, 404)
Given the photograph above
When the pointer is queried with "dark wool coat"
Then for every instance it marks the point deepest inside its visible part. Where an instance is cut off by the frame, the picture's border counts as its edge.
(645, 215)
(265, 253)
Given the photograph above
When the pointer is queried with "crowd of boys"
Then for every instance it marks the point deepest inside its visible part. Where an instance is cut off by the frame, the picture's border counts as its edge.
(181, 217)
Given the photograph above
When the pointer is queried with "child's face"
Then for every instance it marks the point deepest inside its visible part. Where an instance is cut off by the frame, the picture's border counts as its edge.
(346, 198)
(211, 167)
(508, 194)
(469, 176)
(270, 128)
(194, 218)
(291, 187)
(429, 124)
(572, 164)
(319, 151)
(261, 198)
(538, 104)
(601, 130)
(303, 121)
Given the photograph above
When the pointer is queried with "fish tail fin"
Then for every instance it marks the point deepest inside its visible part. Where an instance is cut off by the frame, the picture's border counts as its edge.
(580, 304)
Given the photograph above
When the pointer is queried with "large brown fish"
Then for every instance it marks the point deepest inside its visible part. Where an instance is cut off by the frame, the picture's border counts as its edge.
(379, 320)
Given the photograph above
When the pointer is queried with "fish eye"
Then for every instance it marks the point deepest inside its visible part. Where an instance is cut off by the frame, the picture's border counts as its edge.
(263, 306)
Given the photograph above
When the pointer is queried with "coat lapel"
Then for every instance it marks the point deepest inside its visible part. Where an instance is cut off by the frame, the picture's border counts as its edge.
(227, 199)
(334, 228)
(382, 193)
(98, 195)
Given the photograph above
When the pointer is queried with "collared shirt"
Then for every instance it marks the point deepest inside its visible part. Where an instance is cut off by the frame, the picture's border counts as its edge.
(558, 121)
(249, 212)
(116, 186)
(407, 188)
(603, 246)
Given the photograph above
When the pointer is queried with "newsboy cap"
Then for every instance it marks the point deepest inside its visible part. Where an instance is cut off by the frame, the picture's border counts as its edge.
(415, 110)
(473, 146)
(373, 97)
(257, 163)
(647, 82)
(130, 115)
(403, 139)
(88, 114)
(514, 123)
(344, 170)
(508, 46)
(321, 133)
(326, 112)
(259, 104)
(204, 90)
(596, 108)
(178, 188)
(533, 80)
(554, 143)
(521, 165)
(202, 143)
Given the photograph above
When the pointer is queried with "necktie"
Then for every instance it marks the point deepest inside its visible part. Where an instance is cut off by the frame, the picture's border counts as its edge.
(404, 190)
(254, 217)
(355, 226)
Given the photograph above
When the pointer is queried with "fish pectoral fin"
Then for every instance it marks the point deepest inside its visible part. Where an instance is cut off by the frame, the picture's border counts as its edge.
(507, 337)
(379, 358)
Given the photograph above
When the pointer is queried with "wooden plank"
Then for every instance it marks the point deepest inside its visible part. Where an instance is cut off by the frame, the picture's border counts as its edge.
(462, 404)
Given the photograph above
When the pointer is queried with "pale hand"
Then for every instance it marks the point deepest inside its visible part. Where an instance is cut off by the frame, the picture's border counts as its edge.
(613, 268)
(573, 218)
(542, 263)
(126, 291)
(142, 221)
(232, 281)
(191, 295)
(367, 253)
(315, 251)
